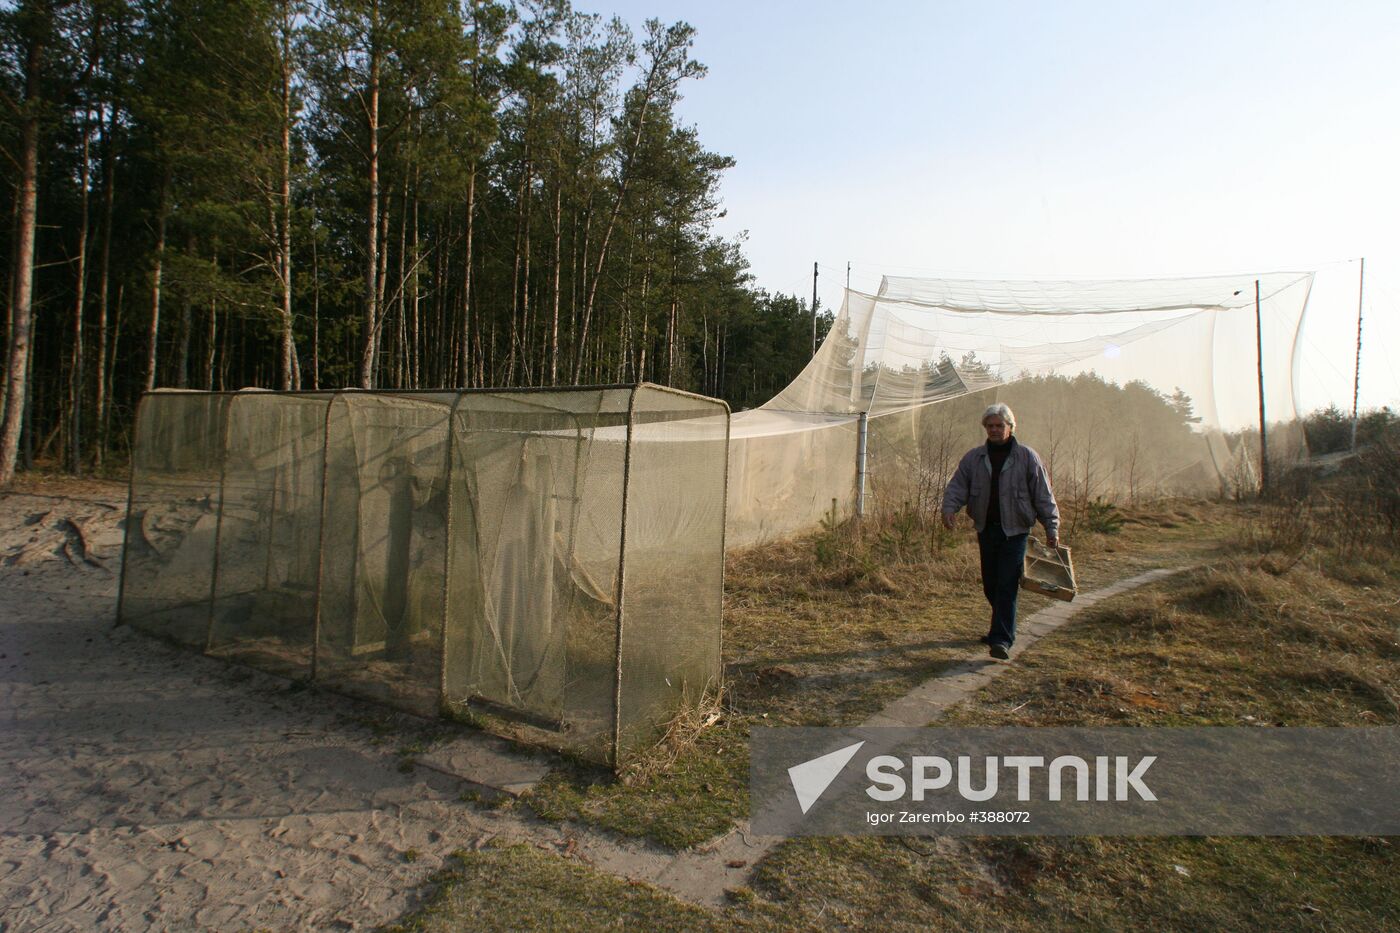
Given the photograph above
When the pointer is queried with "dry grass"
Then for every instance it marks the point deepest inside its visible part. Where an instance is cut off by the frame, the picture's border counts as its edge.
(824, 630)
(679, 738)
(1260, 636)
(1289, 624)
(1256, 635)
(514, 887)
(1088, 883)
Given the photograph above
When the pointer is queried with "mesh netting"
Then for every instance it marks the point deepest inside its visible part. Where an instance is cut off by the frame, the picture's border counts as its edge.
(1127, 388)
(384, 549)
(173, 516)
(269, 531)
(537, 530)
(556, 556)
(553, 557)
(666, 651)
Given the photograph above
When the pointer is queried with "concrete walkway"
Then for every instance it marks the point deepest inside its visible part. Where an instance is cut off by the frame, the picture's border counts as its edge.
(930, 699)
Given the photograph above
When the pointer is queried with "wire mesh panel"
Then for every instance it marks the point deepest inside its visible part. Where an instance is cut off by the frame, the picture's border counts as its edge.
(269, 531)
(172, 515)
(383, 547)
(669, 642)
(536, 525)
(443, 551)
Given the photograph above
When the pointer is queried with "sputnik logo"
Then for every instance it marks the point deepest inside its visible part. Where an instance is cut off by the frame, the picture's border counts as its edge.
(811, 778)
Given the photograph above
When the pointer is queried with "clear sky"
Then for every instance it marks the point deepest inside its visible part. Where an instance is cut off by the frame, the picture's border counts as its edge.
(1065, 139)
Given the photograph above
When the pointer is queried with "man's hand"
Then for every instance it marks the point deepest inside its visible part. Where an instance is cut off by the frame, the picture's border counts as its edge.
(948, 519)
(1052, 541)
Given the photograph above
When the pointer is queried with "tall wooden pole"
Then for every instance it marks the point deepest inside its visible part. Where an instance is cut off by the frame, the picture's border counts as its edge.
(814, 309)
(1356, 384)
(1263, 438)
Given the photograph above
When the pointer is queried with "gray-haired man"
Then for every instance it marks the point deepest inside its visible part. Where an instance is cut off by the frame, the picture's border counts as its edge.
(1005, 488)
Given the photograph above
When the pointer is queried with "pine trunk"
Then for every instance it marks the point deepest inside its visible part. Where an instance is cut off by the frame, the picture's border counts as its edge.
(112, 367)
(75, 372)
(182, 357)
(415, 359)
(558, 263)
(209, 351)
(383, 282)
(315, 307)
(400, 368)
(464, 366)
(153, 333)
(370, 343)
(104, 283)
(520, 241)
(22, 320)
(288, 367)
(623, 180)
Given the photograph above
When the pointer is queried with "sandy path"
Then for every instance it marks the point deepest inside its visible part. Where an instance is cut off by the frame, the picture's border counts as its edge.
(147, 787)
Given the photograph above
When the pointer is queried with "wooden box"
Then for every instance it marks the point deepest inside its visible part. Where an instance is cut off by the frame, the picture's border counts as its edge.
(1048, 572)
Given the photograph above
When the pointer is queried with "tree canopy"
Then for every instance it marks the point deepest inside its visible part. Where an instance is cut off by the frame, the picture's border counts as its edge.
(373, 193)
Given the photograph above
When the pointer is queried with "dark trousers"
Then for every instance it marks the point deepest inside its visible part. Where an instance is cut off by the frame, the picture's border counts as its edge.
(1003, 558)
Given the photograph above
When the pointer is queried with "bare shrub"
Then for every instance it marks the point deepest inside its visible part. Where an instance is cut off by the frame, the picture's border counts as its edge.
(1345, 525)
(1354, 514)
(861, 553)
(1288, 528)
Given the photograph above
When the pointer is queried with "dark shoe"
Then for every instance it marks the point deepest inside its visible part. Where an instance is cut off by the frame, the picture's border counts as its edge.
(985, 639)
(1000, 652)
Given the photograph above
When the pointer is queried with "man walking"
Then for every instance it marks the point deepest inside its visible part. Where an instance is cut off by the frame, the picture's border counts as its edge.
(1005, 488)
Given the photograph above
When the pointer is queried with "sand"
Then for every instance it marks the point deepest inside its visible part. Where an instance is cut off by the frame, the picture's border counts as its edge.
(149, 787)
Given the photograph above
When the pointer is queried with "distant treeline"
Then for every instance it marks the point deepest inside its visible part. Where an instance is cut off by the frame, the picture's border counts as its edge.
(216, 194)
(1329, 430)
(1101, 440)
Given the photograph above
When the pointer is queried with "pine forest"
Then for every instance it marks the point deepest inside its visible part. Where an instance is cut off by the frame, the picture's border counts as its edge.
(389, 194)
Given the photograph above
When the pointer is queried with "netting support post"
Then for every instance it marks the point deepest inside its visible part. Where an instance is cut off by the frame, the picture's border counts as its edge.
(620, 593)
(219, 529)
(126, 529)
(321, 538)
(1263, 439)
(723, 543)
(862, 436)
(1356, 378)
(444, 703)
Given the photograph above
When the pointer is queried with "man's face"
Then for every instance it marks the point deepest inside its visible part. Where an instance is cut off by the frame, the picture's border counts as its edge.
(997, 430)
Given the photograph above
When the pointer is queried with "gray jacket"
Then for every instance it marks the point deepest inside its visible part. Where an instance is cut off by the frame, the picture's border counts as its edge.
(1024, 489)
